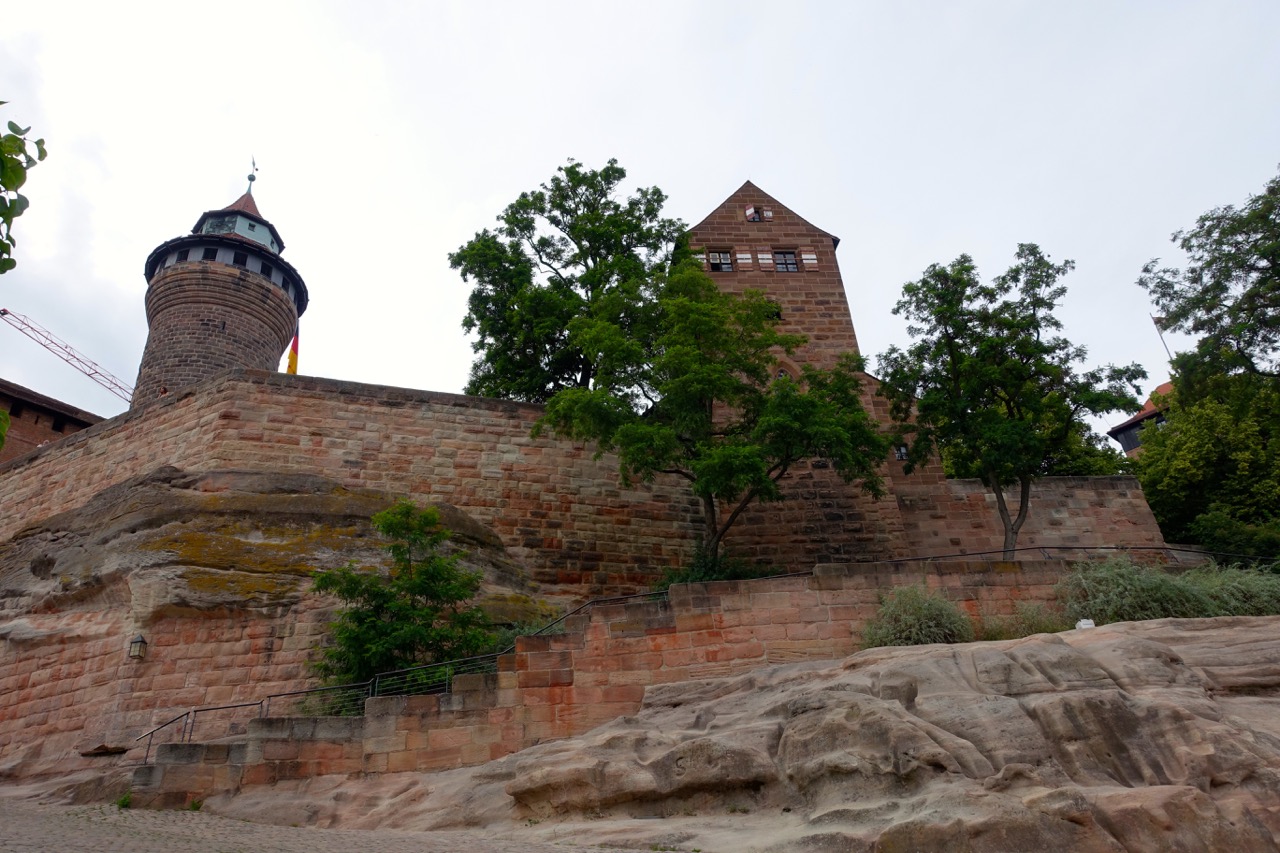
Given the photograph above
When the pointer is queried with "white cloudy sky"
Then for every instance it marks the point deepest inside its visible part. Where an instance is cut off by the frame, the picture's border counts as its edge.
(389, 133)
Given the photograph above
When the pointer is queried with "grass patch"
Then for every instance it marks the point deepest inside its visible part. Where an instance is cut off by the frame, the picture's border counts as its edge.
(914, 616)
(703, 567)
(1119, 590)
(1027, 619)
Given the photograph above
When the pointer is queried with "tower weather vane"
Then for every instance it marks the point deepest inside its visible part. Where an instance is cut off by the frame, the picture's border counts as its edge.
(252, 174)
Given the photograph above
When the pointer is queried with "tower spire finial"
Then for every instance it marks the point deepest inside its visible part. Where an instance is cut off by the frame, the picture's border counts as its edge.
(252, 176)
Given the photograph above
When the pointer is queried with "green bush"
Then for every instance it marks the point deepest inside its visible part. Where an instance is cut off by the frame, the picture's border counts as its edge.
(1118, 590)
(1027, 619)
(705, 567)
(914, 616)
(1218, 532)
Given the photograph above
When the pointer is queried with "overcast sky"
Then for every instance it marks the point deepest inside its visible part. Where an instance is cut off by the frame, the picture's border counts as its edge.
(387, 134)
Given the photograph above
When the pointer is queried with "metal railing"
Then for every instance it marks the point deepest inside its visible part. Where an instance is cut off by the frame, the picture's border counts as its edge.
(437, 678)
(344, 700)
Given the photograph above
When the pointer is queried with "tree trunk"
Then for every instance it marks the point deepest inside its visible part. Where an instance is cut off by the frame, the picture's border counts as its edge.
(1012, 525)
(711, 544)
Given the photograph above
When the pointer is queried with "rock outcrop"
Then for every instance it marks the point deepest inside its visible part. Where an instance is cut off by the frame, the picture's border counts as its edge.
(214, 570)
(1142, 736)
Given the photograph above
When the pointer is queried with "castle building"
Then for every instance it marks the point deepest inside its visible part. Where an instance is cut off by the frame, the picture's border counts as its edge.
(220, 297)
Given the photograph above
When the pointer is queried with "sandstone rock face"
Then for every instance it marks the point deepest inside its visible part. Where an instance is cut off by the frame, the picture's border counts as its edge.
(213, 569)
(1141, 736)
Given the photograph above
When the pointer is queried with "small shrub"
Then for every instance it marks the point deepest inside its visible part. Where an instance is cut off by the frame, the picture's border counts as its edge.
(1027, 619)
(126, 800)
(914, 616)
(1235, 591)
(196, 805)
(1117, 590)
(704, 567)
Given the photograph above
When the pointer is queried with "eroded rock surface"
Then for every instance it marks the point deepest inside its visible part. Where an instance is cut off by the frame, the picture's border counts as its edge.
(1142, 736)
(174, 541)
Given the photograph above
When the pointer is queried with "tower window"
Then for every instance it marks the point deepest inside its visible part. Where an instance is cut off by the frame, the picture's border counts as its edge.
(785, 262)
(183, 254)
(252, 227)
(209, 255)
(266, 269)
(720, 261)
(240, 259)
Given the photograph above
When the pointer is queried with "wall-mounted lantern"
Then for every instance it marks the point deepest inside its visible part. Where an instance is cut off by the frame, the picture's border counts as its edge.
(137, 648)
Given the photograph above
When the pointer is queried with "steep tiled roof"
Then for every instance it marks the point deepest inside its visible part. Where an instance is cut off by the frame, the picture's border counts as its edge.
(245, 204)
(1149, 409)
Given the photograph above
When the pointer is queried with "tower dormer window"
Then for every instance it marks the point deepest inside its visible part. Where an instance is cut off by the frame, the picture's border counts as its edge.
(266, 269)
(240, 259)
(209, 255)
(183, 254)
(252, 227)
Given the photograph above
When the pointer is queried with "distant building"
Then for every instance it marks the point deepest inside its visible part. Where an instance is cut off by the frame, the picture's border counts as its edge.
(1127, 432)
(35, 419)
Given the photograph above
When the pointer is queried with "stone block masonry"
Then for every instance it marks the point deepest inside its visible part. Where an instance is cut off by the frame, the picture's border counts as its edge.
(558, 510)
(563, 685)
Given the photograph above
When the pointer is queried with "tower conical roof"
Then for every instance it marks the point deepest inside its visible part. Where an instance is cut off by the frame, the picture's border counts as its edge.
(245, 204)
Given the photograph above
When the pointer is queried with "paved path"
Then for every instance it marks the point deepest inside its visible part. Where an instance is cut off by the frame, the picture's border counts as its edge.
(26, 827)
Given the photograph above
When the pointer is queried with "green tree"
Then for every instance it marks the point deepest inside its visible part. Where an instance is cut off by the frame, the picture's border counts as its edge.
(699, 398)
(1211, 471)
(988, 385)
(569, 249)
(4, 427)
(1229, 293)
(415, 614)
(16, 159)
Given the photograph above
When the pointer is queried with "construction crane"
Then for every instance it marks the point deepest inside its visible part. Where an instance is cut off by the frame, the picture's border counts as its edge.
(67, 353)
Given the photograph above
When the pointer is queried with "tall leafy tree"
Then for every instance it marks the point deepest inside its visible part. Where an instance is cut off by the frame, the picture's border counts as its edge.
(698, 396)
(570, 249)
(1209, 471)
(17, 156)
(988, 383)
(417, 613)
(1229, 293)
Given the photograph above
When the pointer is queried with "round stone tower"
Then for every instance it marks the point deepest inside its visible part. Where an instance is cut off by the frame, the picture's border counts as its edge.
(218, 298)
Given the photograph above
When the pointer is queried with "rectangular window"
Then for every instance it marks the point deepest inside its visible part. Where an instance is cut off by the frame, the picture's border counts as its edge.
(240, 259)
(785, 262)
(183, 255)
(266, 269)
(209, 255)
(721, 261)
(252, 227)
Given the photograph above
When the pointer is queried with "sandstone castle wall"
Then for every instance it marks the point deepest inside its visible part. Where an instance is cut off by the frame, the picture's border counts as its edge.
(563, 685)
(556, 508)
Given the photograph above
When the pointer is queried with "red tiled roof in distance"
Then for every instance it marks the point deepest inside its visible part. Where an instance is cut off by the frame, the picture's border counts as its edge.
(1149, 409)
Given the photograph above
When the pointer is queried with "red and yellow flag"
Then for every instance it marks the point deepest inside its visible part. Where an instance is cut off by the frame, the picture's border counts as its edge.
(293, 354)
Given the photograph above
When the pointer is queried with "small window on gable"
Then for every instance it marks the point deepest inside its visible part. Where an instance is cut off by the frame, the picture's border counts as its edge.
(785, 262)
(720, 261)
(752, 213)
(240, 259)
(16, 409)
(59, 424)
(900, 453)
(266, 269)
(209, 255)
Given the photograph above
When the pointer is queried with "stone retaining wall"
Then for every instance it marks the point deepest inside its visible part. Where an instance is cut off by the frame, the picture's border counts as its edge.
(559, 686)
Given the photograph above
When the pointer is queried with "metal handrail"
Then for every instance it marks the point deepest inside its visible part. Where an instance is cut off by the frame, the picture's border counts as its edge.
(488, 663)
